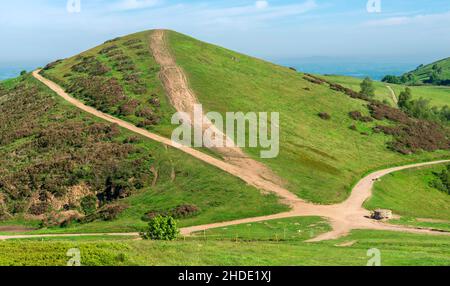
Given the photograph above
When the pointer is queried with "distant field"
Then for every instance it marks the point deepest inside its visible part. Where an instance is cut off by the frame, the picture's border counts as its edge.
(438, 95)
(408, 193)
(395, 248)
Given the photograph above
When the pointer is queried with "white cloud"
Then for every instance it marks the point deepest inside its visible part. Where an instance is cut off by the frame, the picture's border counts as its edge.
(407, 20)
(135, 4)
(261, 4)
(251, 15)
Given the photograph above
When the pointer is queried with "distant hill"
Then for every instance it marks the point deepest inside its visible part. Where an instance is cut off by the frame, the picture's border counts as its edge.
(437, 73)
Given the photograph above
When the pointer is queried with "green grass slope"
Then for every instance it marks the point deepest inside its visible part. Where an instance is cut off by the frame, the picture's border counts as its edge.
(319, 159)
(396, 249)
(52, 156)
(409, 193)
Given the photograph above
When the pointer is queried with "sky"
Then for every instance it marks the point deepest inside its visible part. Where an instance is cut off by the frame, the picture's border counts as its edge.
(283, 30)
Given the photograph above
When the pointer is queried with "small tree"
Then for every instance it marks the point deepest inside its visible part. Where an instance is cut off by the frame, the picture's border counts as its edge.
(367, 87)
(23, 72)
(161, 228)
(404, 98)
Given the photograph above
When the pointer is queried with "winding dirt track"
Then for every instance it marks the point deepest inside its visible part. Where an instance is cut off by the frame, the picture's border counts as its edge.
(343, 217)
(394, 97)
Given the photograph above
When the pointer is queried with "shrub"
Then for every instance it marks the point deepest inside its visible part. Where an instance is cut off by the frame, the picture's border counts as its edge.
(112, 40)
(90, 66)
(108, 49)
(52, 65)
(182, 211)
(381, 111)
(89, 204)
(132, 42)
(392, 79)
(367, 87)
(155, 101)
(39, 208)
(128, 107)
(106, 213)
(313, 79)
(442, 180)
(161, 228)
(102, 93)
(415, 136)
(324, 116)
(356, 115)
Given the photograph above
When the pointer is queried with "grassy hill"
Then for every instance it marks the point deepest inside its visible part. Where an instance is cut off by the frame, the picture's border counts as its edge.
(319, 159)
(60, 166)
(437, 73)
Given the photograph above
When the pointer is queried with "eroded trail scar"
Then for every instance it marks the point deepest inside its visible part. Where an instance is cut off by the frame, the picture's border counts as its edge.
(183, 99)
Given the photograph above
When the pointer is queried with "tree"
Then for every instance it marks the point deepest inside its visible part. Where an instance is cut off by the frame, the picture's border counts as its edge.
(23, 72)
(404, 98)
(367, 87)
(434, 78)
(391, 79)
(161, 228)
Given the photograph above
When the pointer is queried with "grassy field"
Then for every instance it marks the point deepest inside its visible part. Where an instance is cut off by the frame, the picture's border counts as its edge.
(409, 194)
(319, 159)
(438, 95)
(181, 178)
(395, 248)
(291, 229)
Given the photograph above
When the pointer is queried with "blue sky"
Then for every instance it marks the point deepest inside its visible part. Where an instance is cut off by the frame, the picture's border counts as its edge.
(404, 30)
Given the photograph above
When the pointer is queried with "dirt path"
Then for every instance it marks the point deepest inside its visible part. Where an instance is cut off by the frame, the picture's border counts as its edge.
(394, 97)
(183, 99)
(343, 217)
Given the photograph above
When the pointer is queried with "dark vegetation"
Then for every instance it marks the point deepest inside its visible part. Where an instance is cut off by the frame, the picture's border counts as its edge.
(356, 115)
(182, 211)
(324, 116)
(412, 128)
(420, 108)
(442, 180)
(57, 164)
(111, 81)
